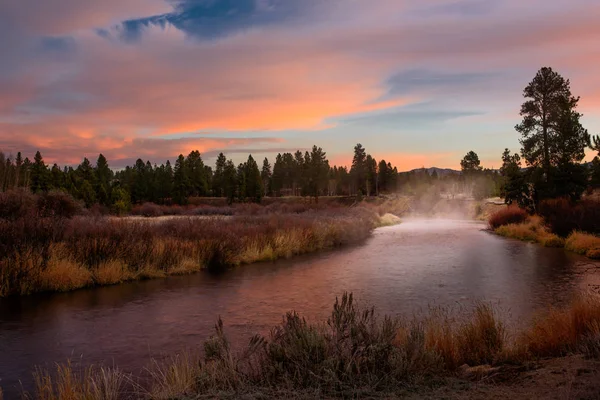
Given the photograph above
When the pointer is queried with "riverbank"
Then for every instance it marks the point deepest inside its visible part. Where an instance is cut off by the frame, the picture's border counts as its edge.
(516, 224)
(357, 354)
(62, 254)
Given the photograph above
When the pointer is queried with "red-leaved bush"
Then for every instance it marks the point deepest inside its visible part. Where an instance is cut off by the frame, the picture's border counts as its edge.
(563, 216)
(508, 215)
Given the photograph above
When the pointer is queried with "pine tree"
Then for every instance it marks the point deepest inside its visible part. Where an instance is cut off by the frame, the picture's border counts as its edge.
(57, 179)
(181, 183)
(552, 137)
(253, 180)
(241, 182)
(372, 182)
(265, 175)
(229, 181)
(470, 164)
(40, 179)
(297, 173)
(196, 174)
(359, 169)
(103, 179)
(514, 188)
(219, 176)
(18, 169)
(317, 172)
(164, 182)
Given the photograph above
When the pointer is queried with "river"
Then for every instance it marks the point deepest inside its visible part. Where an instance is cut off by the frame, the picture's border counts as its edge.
(401, 269)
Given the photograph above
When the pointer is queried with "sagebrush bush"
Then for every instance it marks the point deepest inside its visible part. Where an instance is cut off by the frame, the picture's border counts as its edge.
(508, 215)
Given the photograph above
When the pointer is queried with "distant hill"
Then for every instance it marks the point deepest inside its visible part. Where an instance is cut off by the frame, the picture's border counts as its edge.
(440, 171)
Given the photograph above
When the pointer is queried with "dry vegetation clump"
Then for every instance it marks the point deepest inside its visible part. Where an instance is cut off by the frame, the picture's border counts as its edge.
(506, 216)
(353, 352)
(54, 251)
(568, 330)
(584, 243)
(78, 383)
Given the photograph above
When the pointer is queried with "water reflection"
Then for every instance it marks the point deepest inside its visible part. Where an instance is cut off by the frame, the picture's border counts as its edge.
(400, 270)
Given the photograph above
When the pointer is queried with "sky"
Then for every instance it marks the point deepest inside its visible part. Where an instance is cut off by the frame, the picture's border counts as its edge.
(417, 82)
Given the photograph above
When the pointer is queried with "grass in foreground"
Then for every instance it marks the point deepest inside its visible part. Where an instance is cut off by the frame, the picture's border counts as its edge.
(353, 354)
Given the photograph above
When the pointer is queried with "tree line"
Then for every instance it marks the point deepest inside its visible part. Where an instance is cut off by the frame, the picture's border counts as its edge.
(298, 174)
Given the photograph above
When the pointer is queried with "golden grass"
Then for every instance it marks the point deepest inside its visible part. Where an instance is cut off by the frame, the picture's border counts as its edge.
(563, 330)
(476, 340)
(174, 378)
(388, 220)
(62, 275)
(110, 273)
(532, 230)
(584, 243)
(91, 383)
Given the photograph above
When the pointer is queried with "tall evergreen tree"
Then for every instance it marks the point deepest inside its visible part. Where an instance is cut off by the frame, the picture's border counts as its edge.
(359, 169)
(372, 181)
(317, 172)
(552, 137)
(196, 174)
(103, 180)
(241, 182)
(253, 180)
(180, 181)
(278, 176)
(265, 176)
(229, 181)
(219, 176)
(40, 179)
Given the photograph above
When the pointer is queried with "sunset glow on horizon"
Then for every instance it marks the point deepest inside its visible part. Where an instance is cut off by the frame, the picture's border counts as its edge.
(418, 83)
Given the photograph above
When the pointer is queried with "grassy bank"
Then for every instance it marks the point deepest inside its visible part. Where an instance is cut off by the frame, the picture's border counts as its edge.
(515, 223)
(45, 247)
(353, 354)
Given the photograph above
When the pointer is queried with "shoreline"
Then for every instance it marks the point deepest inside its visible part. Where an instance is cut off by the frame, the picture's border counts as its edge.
(306, 234)
(359, 354)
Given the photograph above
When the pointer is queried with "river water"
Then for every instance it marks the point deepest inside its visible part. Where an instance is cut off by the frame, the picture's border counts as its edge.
(402, 269)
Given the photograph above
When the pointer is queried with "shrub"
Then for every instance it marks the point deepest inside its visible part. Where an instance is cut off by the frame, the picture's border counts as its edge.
(564, 216)
(16, 204)
(58, 204)
(508, 215)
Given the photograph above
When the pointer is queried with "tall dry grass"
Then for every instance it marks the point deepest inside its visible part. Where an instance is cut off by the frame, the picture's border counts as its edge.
(354, 351)
(56, 253)
(71, 383)
(584, 243)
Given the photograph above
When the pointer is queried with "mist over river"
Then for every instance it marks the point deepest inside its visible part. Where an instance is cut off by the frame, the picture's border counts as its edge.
(402, 270)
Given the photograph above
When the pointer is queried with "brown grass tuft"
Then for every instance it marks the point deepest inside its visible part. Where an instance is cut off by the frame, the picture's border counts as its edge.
(110, 273)
(62, 275)
(562, 330)
(583, 243)
(69, 383)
